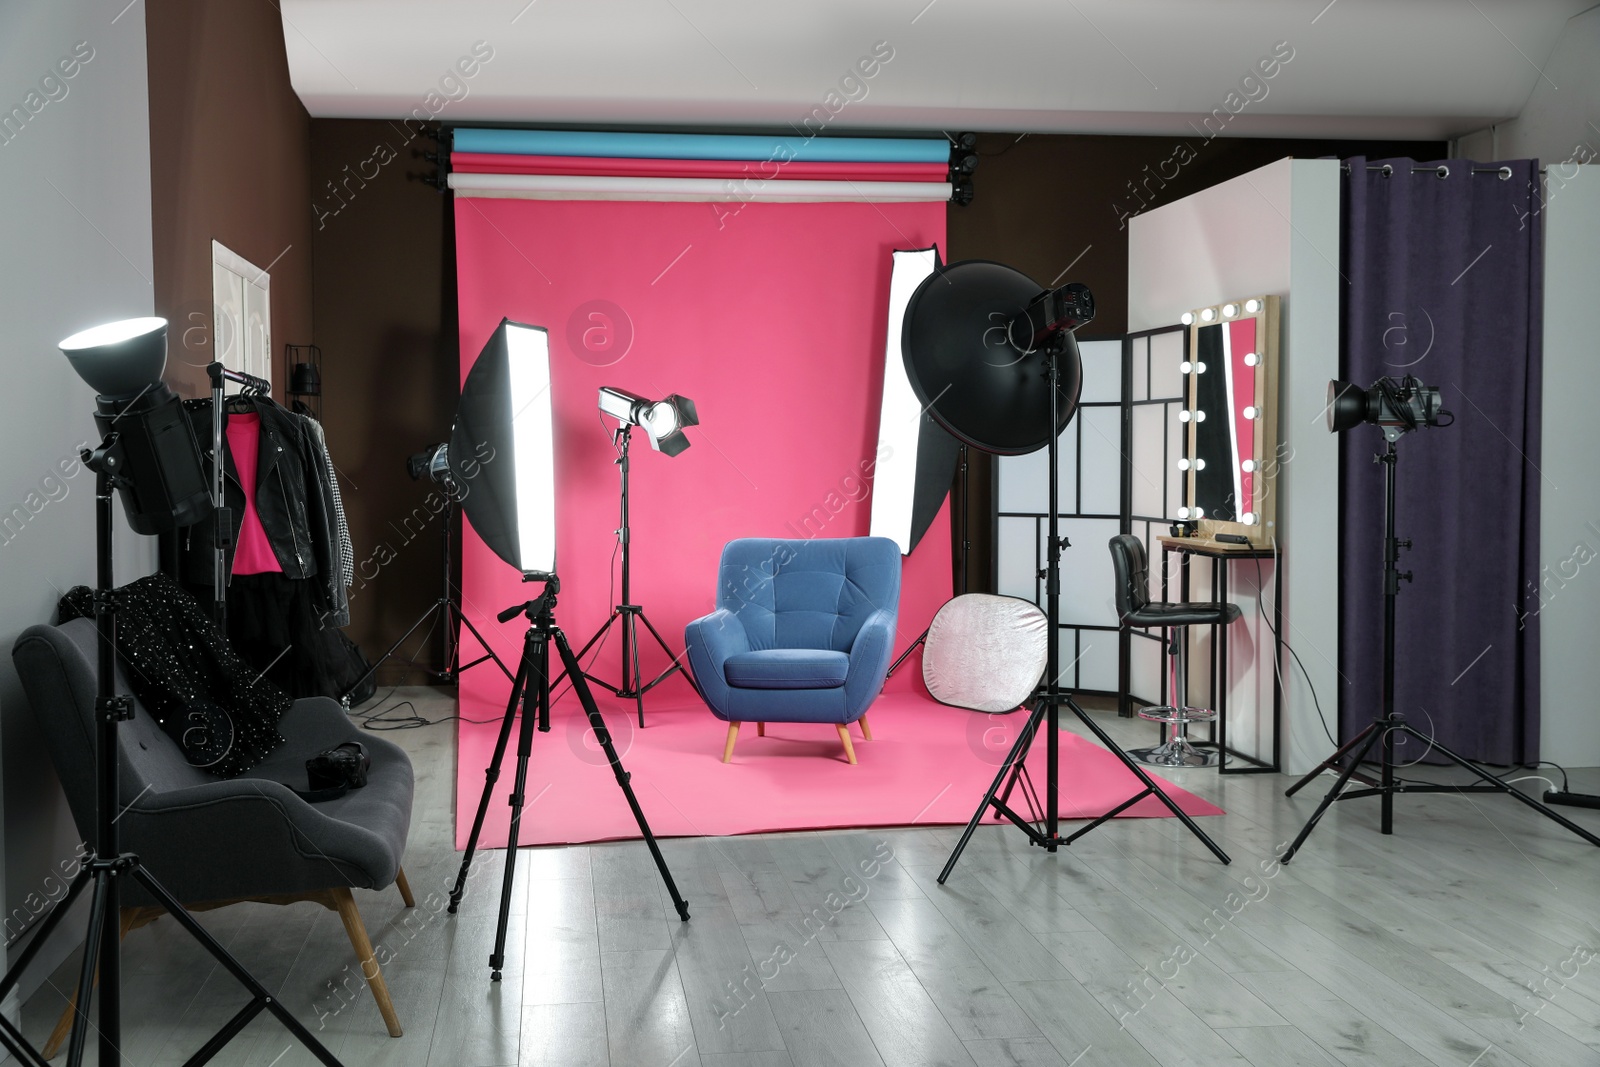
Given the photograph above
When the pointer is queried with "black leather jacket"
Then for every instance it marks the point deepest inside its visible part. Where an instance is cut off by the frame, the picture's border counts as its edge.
(292, 499)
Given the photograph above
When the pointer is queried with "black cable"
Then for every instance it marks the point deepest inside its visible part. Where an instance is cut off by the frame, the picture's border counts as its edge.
(1261, 609)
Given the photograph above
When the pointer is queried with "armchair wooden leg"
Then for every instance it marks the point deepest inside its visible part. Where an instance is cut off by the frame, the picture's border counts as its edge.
(866, 731)
(733, 735)
(849, 749)
(761, 729)
(357, 931)
(404, 886)
(64, 1024)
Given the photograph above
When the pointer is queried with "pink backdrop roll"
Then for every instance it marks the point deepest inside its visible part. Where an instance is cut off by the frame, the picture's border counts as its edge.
(771, 317)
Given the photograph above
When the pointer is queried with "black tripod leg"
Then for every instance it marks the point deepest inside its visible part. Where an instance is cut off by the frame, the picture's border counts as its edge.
(491, 774)
(1331, 761)
(912, 647)
(1018, 753)
(598, 725)
(1370, 736)
(461, 617)
(381, 660)
(1487, 777)
(537, 674)
(42, 935)
(90, 966)
(630, 641)
(1149, 783)
(259, 993)
(18, 1046)
(677, 665)
(584, 651)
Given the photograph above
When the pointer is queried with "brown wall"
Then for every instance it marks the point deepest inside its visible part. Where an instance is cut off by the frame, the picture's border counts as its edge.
(229, 151)
(384, 258)
(1044, 203)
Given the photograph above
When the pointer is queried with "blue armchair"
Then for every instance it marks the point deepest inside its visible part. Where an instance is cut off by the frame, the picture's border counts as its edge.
(803, 632)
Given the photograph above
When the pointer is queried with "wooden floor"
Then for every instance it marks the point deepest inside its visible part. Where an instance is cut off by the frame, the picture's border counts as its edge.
(1470, 938)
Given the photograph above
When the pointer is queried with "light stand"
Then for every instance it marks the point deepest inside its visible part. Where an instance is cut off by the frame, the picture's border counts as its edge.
(965, 547)
(533, 676)
(1047, 708)
(1382, 730)
(450, 610)
(109, 866)
(629, 614)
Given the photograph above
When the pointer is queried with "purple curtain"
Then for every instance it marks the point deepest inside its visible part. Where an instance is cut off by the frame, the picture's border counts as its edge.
(1443, 280)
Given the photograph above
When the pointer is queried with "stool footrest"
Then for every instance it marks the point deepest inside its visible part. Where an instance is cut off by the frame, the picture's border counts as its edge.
(1171, 715)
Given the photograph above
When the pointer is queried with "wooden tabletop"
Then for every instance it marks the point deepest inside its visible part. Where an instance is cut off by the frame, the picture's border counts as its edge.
(1201, 546)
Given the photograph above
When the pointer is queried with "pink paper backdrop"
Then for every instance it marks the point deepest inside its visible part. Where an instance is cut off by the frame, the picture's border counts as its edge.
(771, 317)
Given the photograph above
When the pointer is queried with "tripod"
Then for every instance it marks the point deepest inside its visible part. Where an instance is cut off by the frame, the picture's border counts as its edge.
(966, 544)
(533, 676)
(454, 619)
(1380, 733)
(633, 686)
(1047, 709)
(110, 866)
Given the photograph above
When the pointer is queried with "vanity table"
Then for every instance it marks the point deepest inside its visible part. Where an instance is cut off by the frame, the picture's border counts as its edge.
(1221, 556)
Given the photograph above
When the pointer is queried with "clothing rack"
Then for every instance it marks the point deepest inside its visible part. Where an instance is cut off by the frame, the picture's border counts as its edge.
(249, 385)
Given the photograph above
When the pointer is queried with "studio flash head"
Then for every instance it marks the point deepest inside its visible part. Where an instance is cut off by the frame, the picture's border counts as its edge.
(1396, 404)
(434, 461)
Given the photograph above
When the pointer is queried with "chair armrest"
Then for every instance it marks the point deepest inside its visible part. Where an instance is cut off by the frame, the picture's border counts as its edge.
(254, 836)
(869, 661)
(710, 640)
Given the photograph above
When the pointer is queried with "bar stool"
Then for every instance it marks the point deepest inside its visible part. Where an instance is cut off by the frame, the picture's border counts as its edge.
(1135, 608)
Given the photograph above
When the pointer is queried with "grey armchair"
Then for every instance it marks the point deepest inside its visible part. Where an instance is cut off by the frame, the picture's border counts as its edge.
(214, 842)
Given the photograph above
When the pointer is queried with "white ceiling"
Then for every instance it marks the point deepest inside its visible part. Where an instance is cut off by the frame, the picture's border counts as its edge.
(1360, 68)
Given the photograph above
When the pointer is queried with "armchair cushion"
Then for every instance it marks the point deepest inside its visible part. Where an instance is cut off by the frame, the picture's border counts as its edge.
(787, 668)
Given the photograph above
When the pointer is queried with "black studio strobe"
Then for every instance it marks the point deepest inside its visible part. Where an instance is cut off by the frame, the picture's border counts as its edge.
(1396, 406)
(505, 425)
(993, 357)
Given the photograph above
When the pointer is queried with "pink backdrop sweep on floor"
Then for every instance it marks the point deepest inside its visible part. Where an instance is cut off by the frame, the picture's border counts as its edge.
(928, 765)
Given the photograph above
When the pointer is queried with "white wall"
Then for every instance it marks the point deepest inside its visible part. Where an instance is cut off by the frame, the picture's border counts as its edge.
(75, 249)
(1568, 602)
(1274, 230)
(1561, 120)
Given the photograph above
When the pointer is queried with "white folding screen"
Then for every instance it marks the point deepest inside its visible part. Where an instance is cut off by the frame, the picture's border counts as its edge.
(1106, 482)
(1155, 396)
(1089, 481)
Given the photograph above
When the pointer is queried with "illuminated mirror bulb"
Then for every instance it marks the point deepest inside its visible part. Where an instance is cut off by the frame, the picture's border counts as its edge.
(1183, 416)
(1251, 412)
(1251, 359)
(1183, 464)
(1199, 464)
(1199, 416)
(1248, 518)
(1208, 314)
(1252, 306)
(1199, 368)
(1230, 310)
(1183, 513)
(1199, 513)
(1248, 466)
(1188, 318)
(1185, 367)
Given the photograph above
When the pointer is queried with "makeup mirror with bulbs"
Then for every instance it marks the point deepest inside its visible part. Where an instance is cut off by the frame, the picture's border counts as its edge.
(1229, 419)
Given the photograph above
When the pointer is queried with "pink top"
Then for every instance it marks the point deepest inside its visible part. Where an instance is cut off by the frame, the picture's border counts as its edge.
(253, 554)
